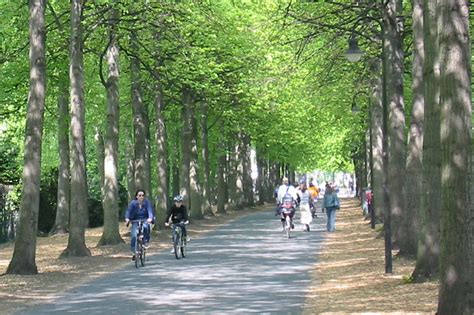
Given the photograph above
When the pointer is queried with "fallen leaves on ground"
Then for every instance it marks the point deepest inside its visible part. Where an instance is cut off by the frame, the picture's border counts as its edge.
(350, 275)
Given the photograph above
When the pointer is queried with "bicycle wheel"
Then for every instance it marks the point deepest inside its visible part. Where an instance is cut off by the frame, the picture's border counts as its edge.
(142, 256)
(177, 236)
(288, 226)
(183, 246)
(137, 253)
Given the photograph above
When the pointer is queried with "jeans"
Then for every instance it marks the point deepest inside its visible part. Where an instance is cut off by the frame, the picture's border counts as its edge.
(134, 231)
(331, 214)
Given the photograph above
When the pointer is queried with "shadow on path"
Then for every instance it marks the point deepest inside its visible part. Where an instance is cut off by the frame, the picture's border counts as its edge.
(245, 266)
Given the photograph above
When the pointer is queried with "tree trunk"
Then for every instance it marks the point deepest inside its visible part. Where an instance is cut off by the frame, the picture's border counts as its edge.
(79, 196)
(206, 185)
(140, 126)
(196, 206)
(239, 179)
(221, 172)
(396, 130)
(130, 157)
(456, 277)
(247, 175)
(428, 246)
(411, 222)
(262, 178)
(232, 177)
(61, 224)
(161, 156)
(100, 155)
(111, 232)
(24, 254)
(186, 146)
(377, 145)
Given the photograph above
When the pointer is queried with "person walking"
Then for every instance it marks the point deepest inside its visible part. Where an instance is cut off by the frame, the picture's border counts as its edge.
(331, 204)
(314, 191)
(306, 204)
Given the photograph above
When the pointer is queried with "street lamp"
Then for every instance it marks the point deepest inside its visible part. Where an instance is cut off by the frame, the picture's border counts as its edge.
(353, 54)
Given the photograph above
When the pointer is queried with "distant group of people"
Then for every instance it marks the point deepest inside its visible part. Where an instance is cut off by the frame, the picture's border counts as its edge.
(306, 199)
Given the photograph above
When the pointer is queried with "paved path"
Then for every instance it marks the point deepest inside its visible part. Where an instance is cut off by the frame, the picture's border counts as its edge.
(243, 267)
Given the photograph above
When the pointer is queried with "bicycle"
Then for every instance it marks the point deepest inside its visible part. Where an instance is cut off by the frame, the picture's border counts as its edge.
(179, 240)
(140, 250)
(287, 221)
(287, 209)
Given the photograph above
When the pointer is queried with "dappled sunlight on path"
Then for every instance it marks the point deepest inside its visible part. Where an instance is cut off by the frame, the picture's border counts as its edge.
(349, 277)
(245, 266)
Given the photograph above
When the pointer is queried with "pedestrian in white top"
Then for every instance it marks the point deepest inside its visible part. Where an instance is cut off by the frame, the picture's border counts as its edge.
(305, 206)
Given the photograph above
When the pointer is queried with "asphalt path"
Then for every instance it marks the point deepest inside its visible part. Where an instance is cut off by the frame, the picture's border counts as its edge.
(245, 266)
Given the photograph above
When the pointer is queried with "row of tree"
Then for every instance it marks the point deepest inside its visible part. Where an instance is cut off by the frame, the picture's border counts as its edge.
(421, 173)
(216, 81)
(213, 81)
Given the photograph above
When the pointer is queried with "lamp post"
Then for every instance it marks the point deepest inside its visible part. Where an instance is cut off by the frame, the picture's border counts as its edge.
(353, 54)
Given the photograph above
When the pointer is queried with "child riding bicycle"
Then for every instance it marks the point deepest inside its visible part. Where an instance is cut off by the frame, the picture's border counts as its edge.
(178, 214)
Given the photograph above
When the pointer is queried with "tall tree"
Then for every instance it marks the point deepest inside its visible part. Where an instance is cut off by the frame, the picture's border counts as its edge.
(232, 176)
(61, 224)
(184, 181)
(396, 130)
(456, 276)
(141, 129)
(161, 154)
(245, 153)
(195, 192)
(79, 212)
(410, 220)
(206, 173)
(111, 233)
(427, 261)
(377, 141)
(24, 253)
(221, 172)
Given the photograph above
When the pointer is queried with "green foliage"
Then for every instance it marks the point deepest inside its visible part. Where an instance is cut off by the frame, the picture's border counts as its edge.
(254, 66)
(408, 279)
(9, 162)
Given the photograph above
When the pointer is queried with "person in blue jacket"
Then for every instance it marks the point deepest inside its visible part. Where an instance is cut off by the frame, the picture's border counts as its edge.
(331, 204)
(139, 208)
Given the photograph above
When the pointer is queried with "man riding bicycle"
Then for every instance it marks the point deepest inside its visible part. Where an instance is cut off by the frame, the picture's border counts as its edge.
(139, 209)
(286, 194)
(178, 214)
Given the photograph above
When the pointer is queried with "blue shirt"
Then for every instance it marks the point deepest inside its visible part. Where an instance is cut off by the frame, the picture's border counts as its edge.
(135, 212)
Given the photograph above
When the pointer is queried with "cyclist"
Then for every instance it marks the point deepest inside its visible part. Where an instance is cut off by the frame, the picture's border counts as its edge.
(286, 191)
(139, 209)
(178, 214)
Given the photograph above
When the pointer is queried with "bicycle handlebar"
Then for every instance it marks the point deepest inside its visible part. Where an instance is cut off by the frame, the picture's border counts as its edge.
(170, 224)
(136, 221)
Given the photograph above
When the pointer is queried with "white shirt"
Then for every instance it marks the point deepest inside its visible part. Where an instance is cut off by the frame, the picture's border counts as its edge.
(304, 197)
(285, 189)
